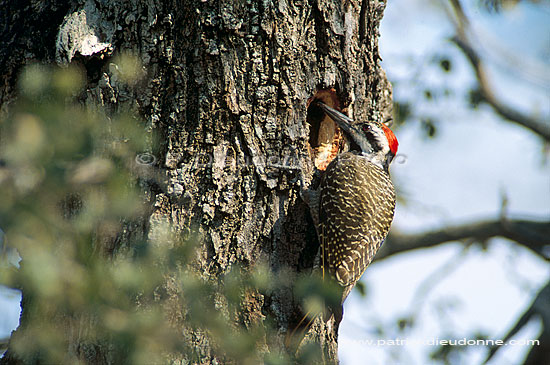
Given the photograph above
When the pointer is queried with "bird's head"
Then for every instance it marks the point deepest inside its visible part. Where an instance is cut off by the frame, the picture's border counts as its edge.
(374, 140)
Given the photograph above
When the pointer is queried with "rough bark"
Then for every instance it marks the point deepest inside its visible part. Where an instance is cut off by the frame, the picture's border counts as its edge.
(225, 95)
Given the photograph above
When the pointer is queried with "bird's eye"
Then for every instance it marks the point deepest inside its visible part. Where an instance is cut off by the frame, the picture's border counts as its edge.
(366, 127)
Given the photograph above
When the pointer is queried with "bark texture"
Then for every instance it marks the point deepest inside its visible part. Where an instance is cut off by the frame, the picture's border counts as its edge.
(225, 96)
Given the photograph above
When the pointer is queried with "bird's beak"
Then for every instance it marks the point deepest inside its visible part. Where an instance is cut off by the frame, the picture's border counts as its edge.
(341, 119)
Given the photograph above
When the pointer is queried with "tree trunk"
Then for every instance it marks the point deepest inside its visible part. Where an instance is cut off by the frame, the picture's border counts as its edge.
(225, 96)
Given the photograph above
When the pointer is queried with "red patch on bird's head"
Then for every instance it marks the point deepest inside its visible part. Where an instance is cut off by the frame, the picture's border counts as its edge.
(392, 140)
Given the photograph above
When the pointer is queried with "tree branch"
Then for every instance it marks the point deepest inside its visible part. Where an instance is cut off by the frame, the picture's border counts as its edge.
(531, 234)
(537, 308)
(538, 126)
(487, 95)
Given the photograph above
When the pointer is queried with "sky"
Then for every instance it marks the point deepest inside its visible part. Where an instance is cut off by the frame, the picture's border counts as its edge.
(9, 309)
(458, 177)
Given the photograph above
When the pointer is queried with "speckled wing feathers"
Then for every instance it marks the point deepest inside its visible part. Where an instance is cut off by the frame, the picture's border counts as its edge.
(356, 209)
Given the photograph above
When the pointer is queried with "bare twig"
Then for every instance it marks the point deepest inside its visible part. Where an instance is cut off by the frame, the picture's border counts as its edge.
(539, 307)
(531, 234)
(436, 277)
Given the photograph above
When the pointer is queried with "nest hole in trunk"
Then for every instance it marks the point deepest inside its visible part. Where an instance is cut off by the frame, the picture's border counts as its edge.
(326, 139)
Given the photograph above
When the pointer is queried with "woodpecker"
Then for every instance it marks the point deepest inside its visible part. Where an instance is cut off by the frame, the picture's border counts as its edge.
(356, 200)
(354, 205)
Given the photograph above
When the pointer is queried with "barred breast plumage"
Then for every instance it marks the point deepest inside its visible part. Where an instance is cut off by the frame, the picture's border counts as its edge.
(356, 208)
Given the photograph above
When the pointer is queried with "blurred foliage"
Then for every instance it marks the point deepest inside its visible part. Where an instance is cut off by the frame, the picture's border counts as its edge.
(475, 98)
(429, 127)
(445, 64)
(401, 111)
(69, 197)
(450, 353)
(425, 96)
(66, 189)
(497, 6)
